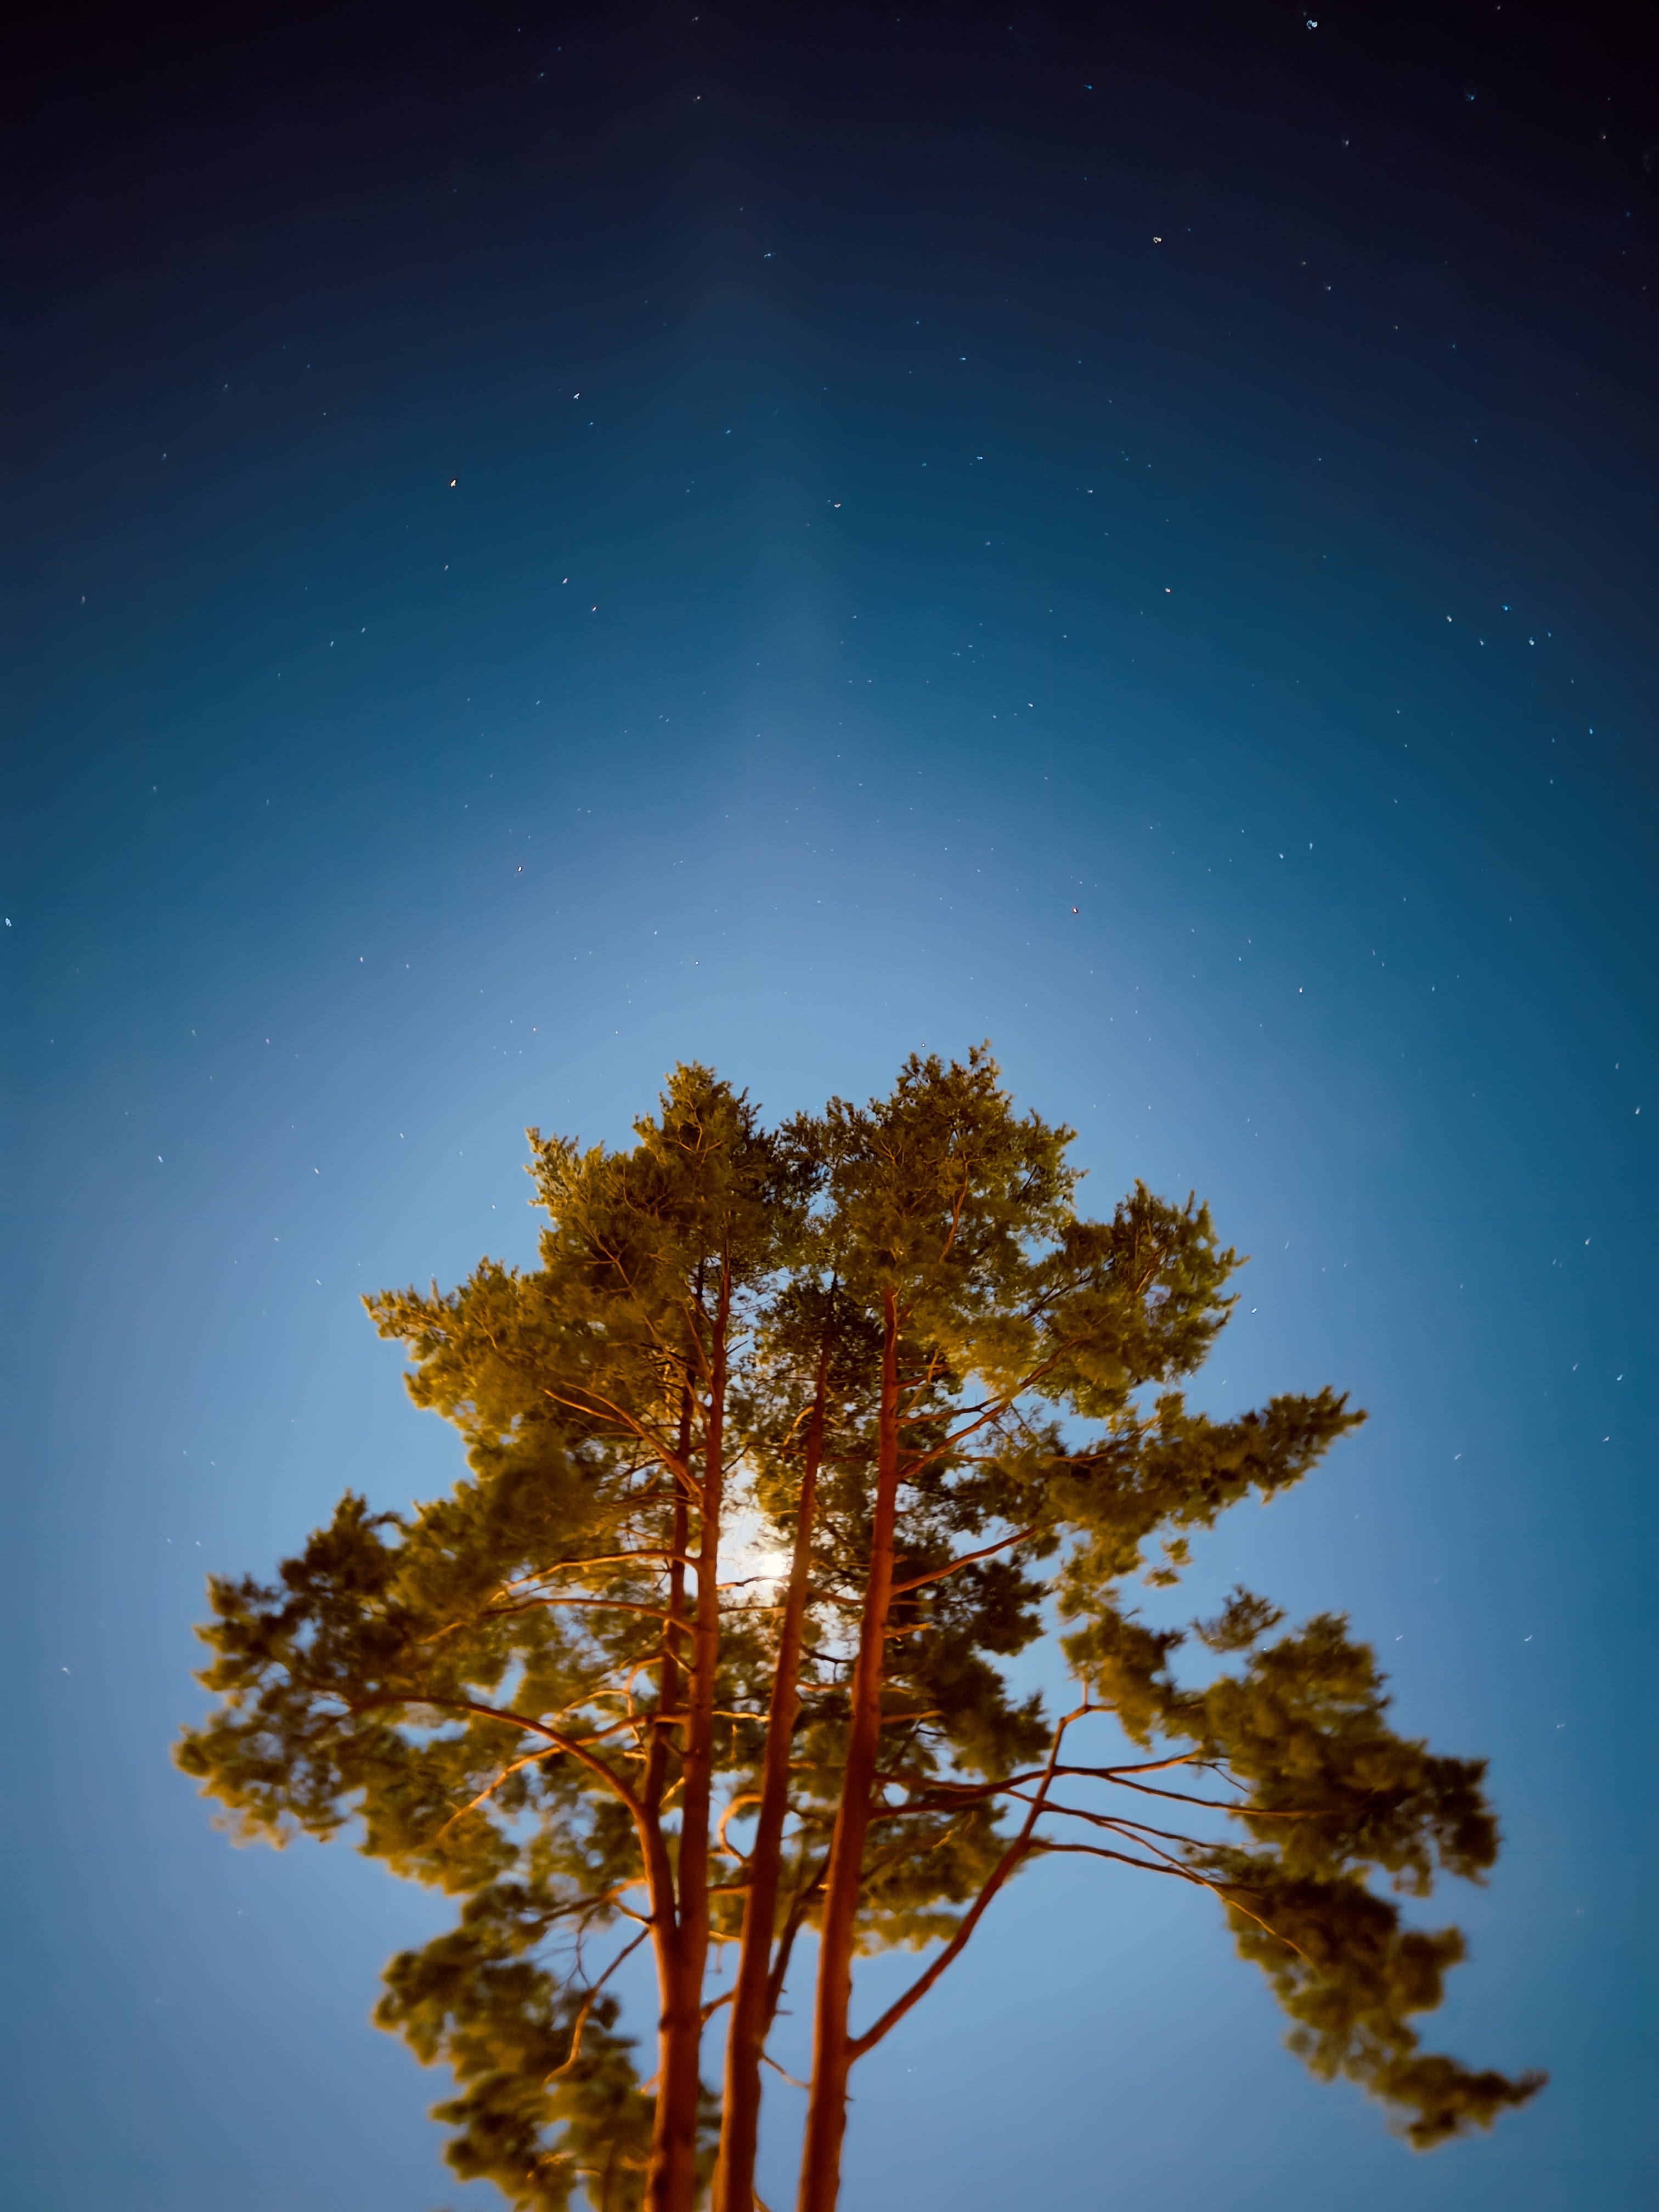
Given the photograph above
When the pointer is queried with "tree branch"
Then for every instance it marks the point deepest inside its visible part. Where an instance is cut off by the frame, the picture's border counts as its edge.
(587, 2005)
(1017, 1849)
(1227, 1892)
(920, 1581)
(555, 1737)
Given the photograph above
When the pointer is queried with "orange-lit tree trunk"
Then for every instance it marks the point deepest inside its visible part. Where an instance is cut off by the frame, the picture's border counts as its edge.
(683, 1953)
(832, 2050)
(753, 1999)
(659, 1871)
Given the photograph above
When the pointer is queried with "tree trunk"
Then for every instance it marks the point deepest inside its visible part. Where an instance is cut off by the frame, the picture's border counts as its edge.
(752, 2000)
(671, 2184)
(656, 1766)
(672, 2180)
(832, 2055)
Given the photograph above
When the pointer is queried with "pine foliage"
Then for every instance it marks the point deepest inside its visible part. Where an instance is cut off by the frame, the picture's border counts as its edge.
(883, 1341)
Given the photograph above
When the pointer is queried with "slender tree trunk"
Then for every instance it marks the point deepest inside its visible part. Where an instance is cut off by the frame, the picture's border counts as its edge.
(668, 1699)
(671, 2183)
(752, 2000)
(832, 2055)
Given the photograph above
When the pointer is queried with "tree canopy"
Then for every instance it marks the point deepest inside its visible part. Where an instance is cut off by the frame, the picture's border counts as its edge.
(791, 1441)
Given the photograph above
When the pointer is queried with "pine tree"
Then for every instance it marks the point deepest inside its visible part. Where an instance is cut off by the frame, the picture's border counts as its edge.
(878, 1352)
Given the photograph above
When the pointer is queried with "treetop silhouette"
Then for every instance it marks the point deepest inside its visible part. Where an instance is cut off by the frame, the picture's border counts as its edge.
(791, 1442)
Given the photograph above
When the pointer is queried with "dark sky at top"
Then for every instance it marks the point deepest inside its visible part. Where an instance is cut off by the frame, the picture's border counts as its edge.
(784, 534)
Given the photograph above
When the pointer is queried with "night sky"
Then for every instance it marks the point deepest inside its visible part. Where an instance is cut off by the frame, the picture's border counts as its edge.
(541, 542)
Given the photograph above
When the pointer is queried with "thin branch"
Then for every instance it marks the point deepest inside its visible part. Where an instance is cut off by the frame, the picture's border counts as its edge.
(994, 1412)
(560, 1741)
(767, 2060)
(1044, 1849)
(800, 1904)
(587, 2005)
(1227, 1892)
(1119, 1824)
(964, 1792)
(530, 1759)
(606, 1560)
(920, 1581)
(748, 1797)
(955, 1215)
(1139, 1767)
(596, 1405)
(588, 1604)
(1017, 1849)
(1214, 1804)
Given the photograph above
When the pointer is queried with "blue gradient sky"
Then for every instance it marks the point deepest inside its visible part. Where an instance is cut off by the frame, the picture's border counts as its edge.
(1130, 538)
